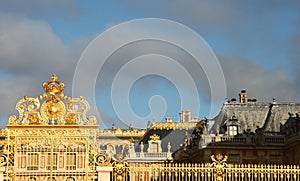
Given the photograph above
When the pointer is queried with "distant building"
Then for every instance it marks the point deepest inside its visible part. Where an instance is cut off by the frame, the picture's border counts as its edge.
(162, 139)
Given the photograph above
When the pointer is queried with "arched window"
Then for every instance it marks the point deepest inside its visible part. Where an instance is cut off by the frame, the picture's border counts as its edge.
(70, 179)
(31, 179)
(51, 179)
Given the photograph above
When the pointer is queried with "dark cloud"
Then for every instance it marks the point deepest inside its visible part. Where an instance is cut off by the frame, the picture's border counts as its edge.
(45, 8)
(259, 39)
(262, 84)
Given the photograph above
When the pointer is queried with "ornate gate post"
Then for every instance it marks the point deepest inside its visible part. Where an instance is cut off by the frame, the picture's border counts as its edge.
(2, 169)
(219, 164)
(119, 165)
(104, 167)
(119, 170)
(104, 173)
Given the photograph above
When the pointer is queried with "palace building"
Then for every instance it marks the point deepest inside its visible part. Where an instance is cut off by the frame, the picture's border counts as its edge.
(247, 132)
(53, 139)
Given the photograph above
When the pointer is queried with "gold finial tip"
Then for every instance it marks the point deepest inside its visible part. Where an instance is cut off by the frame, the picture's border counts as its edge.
(154, 137)
(53, 77)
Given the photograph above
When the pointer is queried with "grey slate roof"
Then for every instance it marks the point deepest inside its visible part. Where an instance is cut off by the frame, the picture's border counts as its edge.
(253, 115)
(175, 137)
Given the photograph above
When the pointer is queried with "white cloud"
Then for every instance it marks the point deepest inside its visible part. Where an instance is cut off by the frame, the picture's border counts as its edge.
(29, 54)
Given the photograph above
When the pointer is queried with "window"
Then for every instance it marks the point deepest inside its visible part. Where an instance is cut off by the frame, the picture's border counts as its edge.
(71, 161)
(51, 179)
(70, 179)
(154, 147)
(33, 161)
(52, 161)
(233, 130)
(32, 179)
(234, 158)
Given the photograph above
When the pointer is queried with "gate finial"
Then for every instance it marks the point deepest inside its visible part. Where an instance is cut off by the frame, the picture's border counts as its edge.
(219, 164)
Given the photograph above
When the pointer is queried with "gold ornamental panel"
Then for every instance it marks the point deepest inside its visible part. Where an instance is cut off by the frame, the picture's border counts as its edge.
(52, 108)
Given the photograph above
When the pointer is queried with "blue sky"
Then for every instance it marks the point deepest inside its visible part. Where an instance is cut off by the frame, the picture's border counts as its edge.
(256, 43)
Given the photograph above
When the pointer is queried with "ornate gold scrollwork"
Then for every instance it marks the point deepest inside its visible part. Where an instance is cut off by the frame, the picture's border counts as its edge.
(103, 160)
(53, 110)
(119, 167)
(3, 160)
(219, 164)
(154, 137)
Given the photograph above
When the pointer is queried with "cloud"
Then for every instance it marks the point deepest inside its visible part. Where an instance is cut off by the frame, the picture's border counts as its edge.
(45, 8)
(250, 38)
(261, 83)
(256, 41)
(29, 54)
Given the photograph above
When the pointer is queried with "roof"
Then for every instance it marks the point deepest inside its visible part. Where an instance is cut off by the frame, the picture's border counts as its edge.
(253, 115)
(173, 136)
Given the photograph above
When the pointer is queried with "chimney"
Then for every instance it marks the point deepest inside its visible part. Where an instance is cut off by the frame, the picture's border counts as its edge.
(185, 116)
(243, 96)
(169, 120)
(233, 100)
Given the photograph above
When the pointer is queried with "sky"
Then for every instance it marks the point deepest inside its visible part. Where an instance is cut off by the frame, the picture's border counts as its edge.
(255, 42)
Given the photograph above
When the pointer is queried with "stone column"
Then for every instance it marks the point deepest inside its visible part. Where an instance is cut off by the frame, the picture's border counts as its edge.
(103, 173)
(2, 169)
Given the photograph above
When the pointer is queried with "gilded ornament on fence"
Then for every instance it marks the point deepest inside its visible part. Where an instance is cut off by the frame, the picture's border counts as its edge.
(119, 167)
(103, 160)
(3, 160)
(219, 164)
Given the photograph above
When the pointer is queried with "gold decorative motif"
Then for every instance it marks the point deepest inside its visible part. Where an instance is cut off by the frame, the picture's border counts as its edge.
(219, 164)
(102, 160)
(53, 86)
(33, 119)
(154, 137)
(172, 126)
(119, 167)
(52, 110)
(70, 118)
(118, 131)
(3, 160)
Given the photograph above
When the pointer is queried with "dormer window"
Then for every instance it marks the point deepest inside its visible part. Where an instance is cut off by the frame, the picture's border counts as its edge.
(232, 130)
(154, 144)
(154, 147)
(233, 126)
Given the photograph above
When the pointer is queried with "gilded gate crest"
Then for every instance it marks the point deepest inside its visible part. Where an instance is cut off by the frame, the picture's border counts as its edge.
(52, 108)
(51, 139)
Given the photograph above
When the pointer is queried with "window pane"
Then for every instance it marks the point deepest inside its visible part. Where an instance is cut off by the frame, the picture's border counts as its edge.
(33, 161)
(52, 160)
(71, 161)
